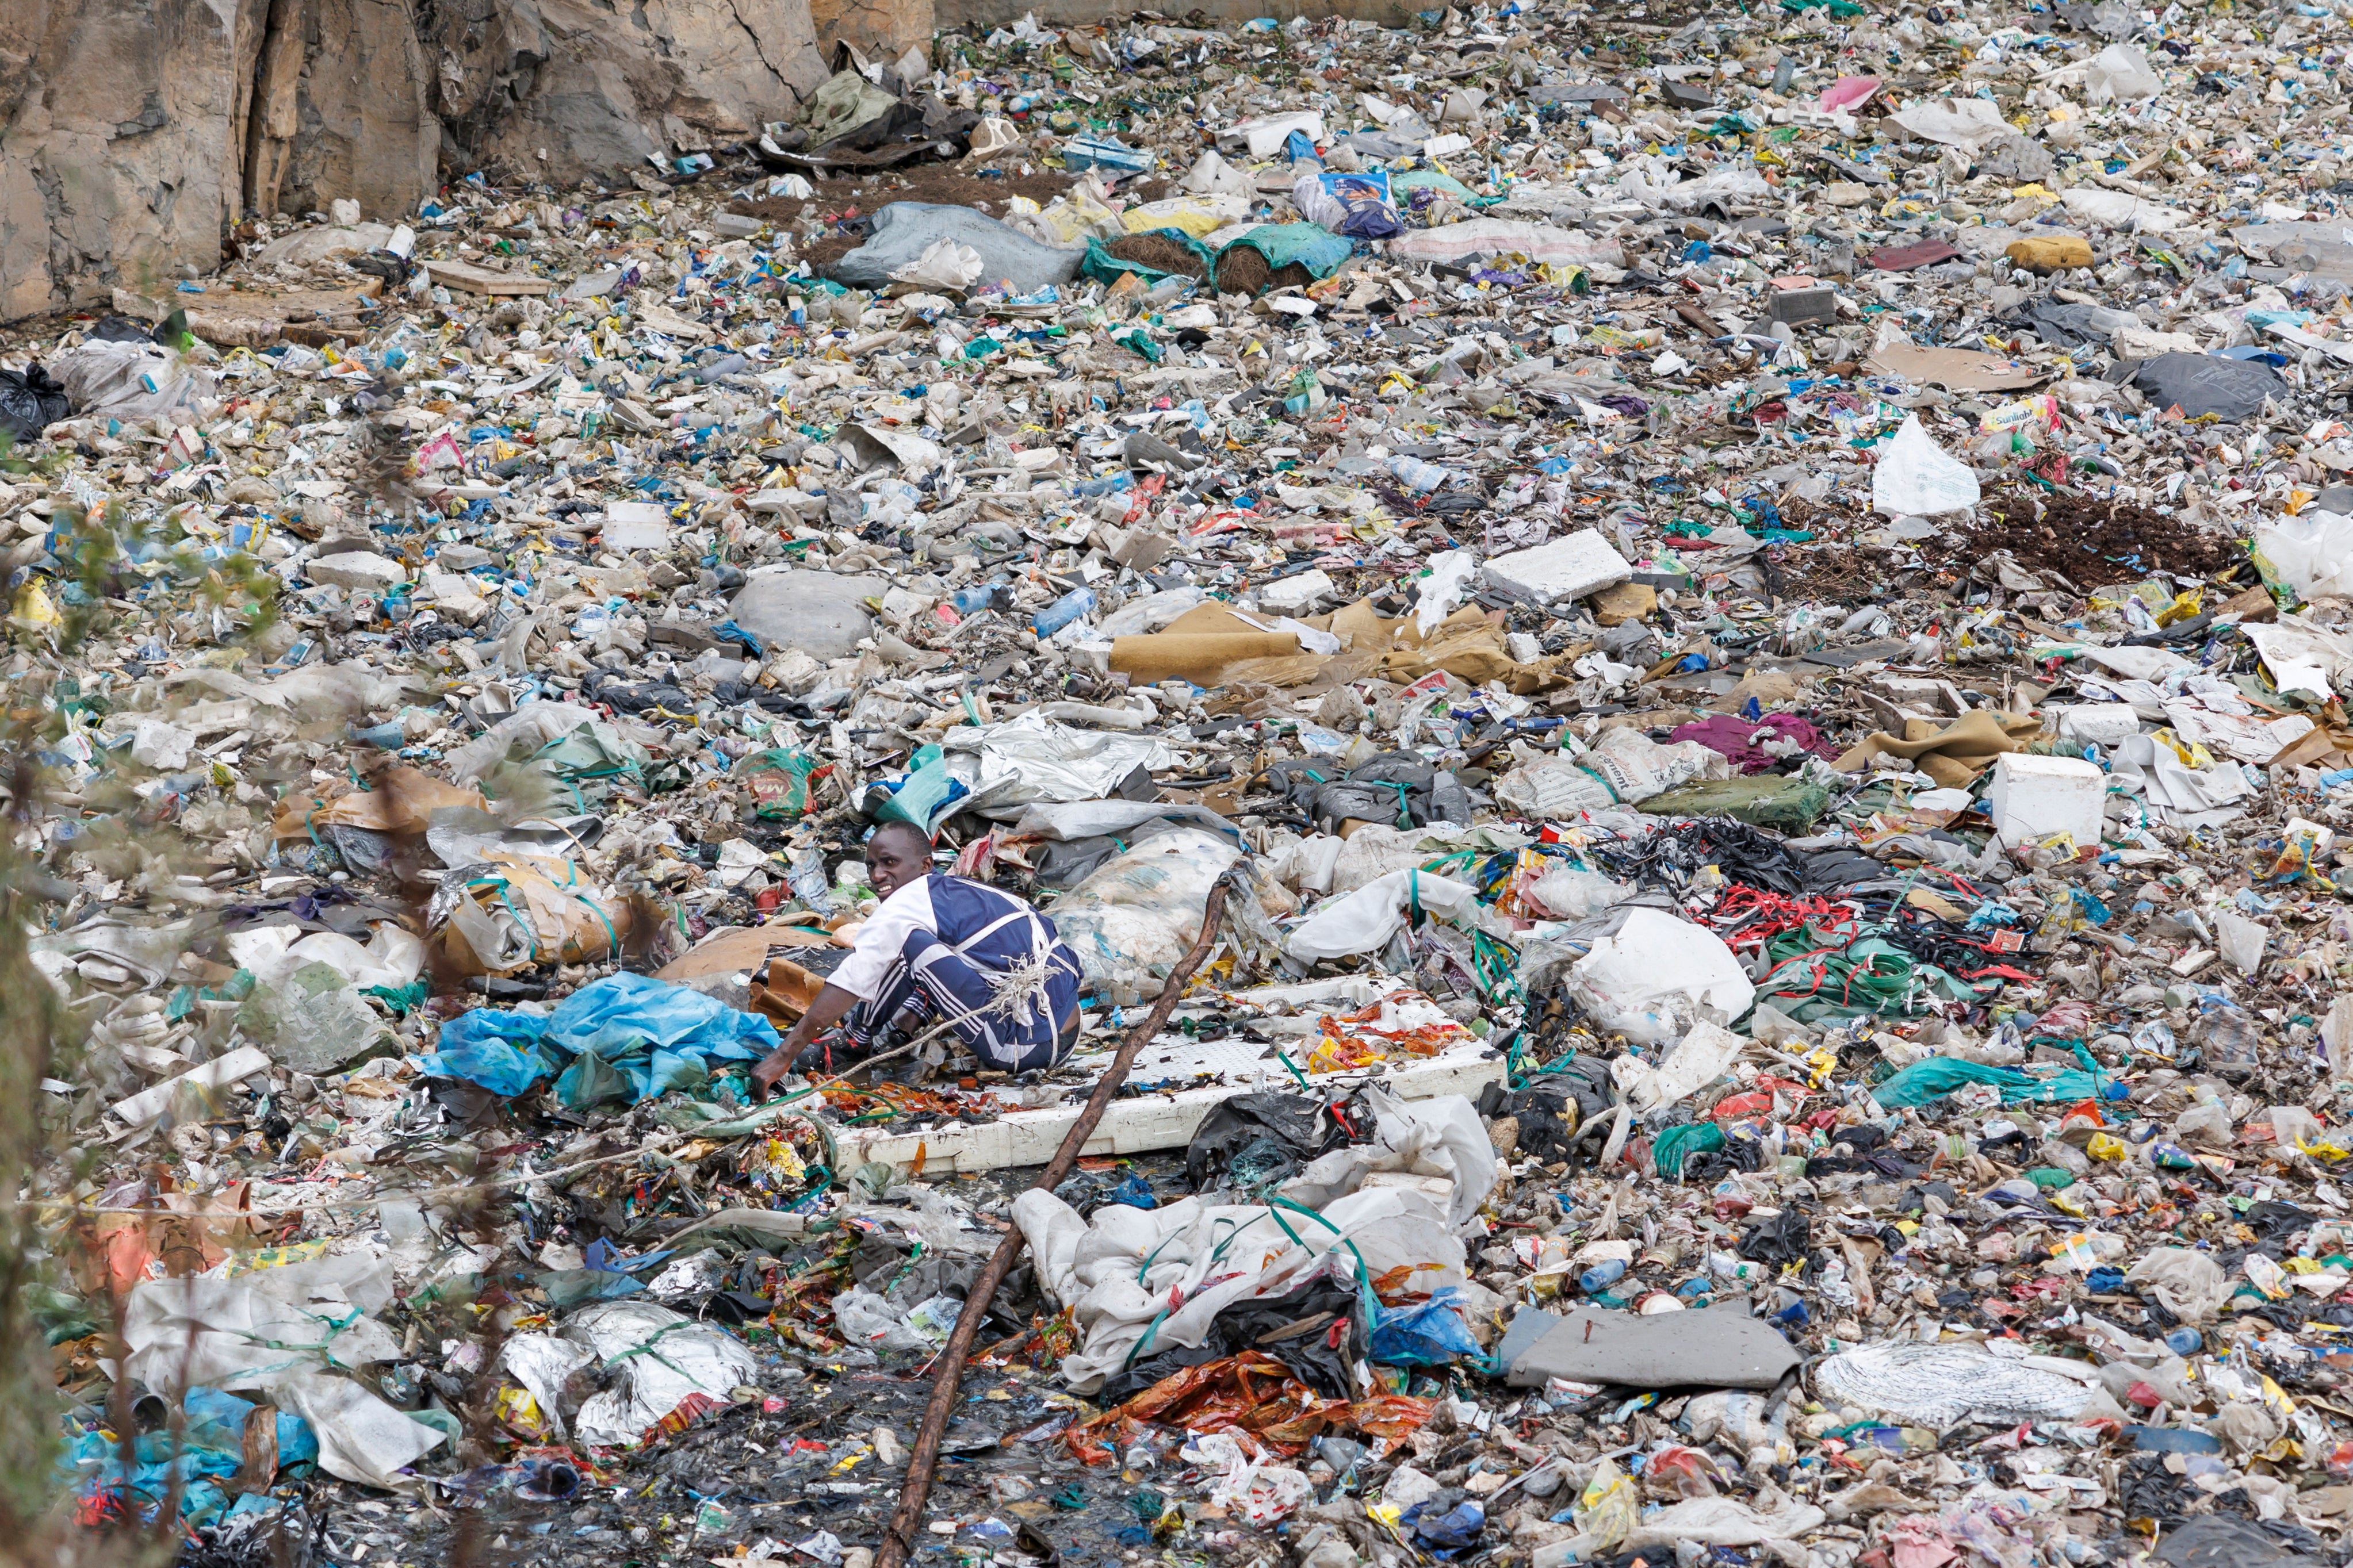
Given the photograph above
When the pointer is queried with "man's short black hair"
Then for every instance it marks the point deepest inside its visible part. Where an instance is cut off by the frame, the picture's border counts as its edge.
(923, 842)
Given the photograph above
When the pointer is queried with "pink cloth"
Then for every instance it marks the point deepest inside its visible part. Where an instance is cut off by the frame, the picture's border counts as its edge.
(1740, 739)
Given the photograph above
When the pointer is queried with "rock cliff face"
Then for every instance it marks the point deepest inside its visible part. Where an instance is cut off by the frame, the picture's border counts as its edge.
(885, 28)
(133, 132)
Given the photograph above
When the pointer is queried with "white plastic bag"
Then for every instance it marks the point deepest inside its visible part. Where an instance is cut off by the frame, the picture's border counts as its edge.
(2122, 209)
(1442, 590)
(1623, 768)
(1650, 979)
(1305, 865)
(1364, 921)
(2189, 1284)
(2120, 71)
(1259, 1492)
(1135, 916)
(1965, 122)
(2311, 553)
(661, 1357)
(128, 381)
(944, 265)
(1211, 175)
(1703, 1055)
(1915, 478)
(1571, 892)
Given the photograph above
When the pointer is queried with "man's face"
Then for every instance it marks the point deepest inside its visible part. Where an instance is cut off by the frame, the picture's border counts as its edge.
(895, 859)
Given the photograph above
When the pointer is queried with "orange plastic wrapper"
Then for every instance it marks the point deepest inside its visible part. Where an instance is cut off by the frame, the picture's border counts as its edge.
(1351, 1040)
(1250, 1392)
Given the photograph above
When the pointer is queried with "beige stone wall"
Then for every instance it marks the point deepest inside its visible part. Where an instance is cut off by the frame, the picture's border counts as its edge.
(133, 133)
(887, 29)
(1079, 12)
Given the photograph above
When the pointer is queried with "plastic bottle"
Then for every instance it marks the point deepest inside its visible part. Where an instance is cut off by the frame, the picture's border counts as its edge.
(805, 874)
(1078, 602)
(1417, 474)
(1601, 1276)
(987, 596)
(1104, 487)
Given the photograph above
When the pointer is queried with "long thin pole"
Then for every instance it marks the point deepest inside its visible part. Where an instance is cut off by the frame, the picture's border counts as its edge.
(899, 1535)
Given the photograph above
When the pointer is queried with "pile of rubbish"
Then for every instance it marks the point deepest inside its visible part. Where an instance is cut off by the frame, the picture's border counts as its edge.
(1748, 610)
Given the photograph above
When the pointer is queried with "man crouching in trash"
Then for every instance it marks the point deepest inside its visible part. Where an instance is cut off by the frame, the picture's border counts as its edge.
(940, 948)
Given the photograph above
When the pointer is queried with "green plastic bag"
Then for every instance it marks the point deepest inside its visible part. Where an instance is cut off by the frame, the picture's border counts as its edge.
(1104, 267)
(1787, 804)
(1675, 1146)
(1313, 247)
(1817, 976)
(578, 768)
(1939, 1076)
(921, 798)
(779, 781)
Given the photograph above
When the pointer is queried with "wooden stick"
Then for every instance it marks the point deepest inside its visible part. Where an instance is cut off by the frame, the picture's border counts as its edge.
(899, 1535)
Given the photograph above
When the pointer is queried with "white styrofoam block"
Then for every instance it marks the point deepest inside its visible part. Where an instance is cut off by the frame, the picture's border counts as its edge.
(1165, 1118)
(1296, 595)
(360, 570)
(636, 525)
(2096, 723)
(2033, 797)
(1583, 562)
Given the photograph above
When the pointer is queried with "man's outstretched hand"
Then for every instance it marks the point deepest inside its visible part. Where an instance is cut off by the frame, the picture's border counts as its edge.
(768, 1069)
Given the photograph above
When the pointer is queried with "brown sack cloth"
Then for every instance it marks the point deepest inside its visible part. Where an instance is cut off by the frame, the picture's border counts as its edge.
(1954, 755)
(1209, 645)
(780, 988)
(1197, 646)
(401, 802)
(518, 909)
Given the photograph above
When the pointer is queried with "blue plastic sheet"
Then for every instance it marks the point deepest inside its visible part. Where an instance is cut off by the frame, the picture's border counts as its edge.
(1133, 1193)
(626, 1037)
(209, 1448)
(1431, 1335)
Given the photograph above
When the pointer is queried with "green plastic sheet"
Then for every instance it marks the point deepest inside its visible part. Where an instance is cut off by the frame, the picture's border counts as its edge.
(1672, 1147)
(1940, 1076)
(1787, 804)
(1104, 267)
(1314, 248)
(1817, 975)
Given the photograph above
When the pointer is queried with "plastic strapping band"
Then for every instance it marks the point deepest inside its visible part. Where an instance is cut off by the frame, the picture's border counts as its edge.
(612, 937)
(1615, 798)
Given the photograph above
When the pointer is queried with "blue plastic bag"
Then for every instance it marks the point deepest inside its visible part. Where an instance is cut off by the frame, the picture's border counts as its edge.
(1431, 1334)
(1445, 1533)
(624, 1036)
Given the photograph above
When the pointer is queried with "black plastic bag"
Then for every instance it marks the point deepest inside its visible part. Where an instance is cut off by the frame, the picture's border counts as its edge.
(1292, 1121)
(30, 402)
(1782, 1239)
(2209, 383)
(1299, 1330)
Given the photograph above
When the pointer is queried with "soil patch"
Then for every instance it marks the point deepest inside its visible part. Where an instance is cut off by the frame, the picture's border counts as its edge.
(830, 249)
(1243, 269)
(2091, 541)
(1160, 253)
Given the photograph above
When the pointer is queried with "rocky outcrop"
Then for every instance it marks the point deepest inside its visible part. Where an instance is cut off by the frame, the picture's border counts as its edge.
(114, 117)
(569, 85)
(133, 133)
(885, 29)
